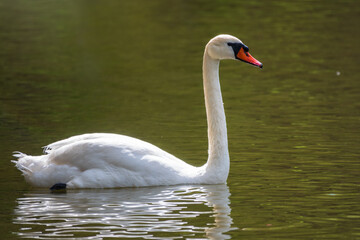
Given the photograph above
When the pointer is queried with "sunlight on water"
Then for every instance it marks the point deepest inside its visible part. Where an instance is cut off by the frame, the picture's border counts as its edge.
(149, 213)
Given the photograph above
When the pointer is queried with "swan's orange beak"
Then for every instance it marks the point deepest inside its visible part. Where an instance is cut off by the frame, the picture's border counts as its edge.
(246, 57)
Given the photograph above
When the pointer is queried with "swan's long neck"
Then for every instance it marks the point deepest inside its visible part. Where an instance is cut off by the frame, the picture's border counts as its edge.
(218, 161)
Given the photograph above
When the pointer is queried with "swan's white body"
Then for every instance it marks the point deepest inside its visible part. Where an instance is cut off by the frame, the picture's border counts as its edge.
(102, 160)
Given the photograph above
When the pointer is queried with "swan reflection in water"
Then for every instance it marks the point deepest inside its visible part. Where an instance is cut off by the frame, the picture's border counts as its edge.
(168, 212)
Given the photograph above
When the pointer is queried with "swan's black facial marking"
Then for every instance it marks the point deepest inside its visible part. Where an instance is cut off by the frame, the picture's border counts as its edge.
(236, 48)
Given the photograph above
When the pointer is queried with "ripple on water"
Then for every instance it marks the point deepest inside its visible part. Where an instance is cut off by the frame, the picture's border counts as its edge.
(149, 213)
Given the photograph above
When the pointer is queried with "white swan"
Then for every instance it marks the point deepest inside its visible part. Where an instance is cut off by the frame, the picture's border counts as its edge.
(102, 160)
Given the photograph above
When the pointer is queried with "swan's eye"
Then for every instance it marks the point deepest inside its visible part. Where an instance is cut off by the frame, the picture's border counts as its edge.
(231, 44)
(236, 47)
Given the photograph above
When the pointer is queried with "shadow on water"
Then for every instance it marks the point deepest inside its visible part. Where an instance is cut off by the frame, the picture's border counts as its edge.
(150, 213)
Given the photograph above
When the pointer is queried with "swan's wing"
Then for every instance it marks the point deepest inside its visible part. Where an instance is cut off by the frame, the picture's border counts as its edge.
(74, 139)
(112, 151)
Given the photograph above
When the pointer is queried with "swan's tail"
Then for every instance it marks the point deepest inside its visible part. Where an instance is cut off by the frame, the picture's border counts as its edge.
(39, 171)
(32, 167)
(22, 163)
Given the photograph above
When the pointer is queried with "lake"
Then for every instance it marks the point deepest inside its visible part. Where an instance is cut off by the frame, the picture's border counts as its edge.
(134, 68)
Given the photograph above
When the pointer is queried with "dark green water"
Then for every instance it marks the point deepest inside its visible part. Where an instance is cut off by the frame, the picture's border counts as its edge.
(134, 68)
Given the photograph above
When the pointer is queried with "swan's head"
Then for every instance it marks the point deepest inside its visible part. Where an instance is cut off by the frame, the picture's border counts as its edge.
(229, 47)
